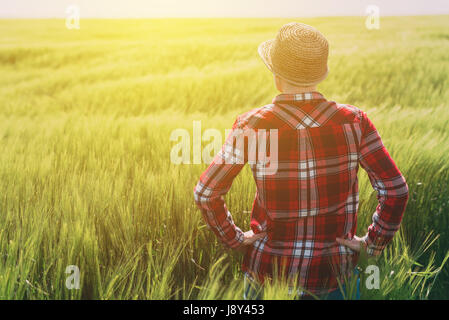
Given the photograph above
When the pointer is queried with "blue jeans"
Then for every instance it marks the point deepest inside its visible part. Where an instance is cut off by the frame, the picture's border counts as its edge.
(253, 291)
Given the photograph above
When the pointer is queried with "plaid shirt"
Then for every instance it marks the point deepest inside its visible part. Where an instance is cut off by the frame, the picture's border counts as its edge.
(312, 198)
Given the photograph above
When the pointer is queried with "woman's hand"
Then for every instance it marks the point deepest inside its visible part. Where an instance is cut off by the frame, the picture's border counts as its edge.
(355, 243)
(249, 237)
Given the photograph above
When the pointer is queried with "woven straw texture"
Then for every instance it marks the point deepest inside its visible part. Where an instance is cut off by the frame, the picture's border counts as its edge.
(298, 54)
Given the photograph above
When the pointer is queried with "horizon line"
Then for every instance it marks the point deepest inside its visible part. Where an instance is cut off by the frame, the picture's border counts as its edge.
(224, 17)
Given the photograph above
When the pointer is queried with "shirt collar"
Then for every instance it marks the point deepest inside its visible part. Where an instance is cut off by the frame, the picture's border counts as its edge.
(297, 117)
(290, 97)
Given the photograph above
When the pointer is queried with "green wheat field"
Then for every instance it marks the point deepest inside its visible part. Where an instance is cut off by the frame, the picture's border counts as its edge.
(85, 171)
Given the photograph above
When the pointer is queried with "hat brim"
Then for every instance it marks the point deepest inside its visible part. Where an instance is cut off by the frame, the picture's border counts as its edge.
(264, 51)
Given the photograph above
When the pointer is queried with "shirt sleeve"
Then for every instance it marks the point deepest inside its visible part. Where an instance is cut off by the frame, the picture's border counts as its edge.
(216, 181)
(390, 185)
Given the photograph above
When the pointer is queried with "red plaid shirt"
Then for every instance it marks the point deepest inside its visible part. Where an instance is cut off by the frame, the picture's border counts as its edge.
(312, 198)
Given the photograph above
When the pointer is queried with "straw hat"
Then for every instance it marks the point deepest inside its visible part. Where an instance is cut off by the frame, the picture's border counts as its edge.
(298, 54)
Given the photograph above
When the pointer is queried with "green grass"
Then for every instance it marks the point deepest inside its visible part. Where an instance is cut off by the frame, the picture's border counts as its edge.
(85, 171)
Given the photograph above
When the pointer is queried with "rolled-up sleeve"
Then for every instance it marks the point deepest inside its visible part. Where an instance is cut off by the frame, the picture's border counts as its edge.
(216, 181)
(390, 185)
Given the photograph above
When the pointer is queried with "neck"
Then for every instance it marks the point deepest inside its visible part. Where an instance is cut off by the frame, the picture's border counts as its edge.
(294, 90)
